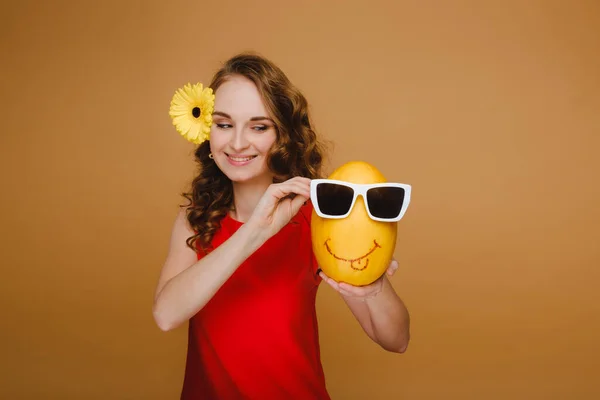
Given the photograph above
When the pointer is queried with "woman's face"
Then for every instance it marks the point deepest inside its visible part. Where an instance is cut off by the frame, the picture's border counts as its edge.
(242, 132)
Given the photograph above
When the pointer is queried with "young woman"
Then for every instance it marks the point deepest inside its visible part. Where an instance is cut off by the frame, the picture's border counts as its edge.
(240, 266)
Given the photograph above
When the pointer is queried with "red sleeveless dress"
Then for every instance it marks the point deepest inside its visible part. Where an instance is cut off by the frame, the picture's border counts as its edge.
(257, 338)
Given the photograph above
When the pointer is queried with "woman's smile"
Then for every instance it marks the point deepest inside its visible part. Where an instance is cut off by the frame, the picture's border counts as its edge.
(239, 160)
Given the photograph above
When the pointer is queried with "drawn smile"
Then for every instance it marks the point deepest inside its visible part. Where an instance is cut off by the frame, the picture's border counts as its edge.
(355, 263)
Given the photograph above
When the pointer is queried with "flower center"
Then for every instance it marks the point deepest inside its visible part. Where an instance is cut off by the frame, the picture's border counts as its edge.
(196, 112)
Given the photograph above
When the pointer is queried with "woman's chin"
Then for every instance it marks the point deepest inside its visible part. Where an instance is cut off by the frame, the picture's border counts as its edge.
(249, 177)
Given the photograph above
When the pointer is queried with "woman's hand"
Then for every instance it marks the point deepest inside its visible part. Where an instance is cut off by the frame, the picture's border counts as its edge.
(279, 204)
(379, 310)
(360, 292)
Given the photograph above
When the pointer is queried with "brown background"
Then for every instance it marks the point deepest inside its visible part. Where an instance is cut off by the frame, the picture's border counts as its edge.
(489, 109)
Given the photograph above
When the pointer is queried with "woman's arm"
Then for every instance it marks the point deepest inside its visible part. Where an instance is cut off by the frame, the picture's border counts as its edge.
(186, 284)
(386, 315)
(379, 310)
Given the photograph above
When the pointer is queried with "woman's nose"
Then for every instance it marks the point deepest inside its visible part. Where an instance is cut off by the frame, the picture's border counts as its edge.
(239, 140)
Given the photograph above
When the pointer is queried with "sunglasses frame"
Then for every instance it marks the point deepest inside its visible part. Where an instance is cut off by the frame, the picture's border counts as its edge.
(360, 190)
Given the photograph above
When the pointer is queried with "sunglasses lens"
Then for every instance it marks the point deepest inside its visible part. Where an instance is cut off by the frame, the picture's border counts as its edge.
(334, 199)
(385, 202)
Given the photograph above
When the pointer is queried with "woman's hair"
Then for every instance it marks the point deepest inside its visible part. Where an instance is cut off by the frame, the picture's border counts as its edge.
(296, 151)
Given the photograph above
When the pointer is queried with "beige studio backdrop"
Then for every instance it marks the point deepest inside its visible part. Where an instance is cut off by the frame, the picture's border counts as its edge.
(490, 109)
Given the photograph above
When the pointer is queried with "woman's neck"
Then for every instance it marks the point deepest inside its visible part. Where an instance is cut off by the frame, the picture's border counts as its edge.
(246, 196)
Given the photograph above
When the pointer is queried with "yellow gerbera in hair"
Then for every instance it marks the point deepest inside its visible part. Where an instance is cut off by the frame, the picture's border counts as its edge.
(191, 110)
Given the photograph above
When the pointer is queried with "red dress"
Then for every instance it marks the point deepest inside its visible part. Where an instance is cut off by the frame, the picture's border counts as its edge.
(257, 338)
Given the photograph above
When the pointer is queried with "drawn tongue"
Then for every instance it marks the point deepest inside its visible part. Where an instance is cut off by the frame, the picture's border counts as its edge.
(359, 264)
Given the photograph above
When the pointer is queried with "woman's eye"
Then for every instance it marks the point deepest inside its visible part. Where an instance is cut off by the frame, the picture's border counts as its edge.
(261, 127)
(223, 126)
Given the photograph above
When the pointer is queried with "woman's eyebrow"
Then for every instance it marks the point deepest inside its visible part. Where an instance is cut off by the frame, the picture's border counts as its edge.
(259, 118)
(222, 114)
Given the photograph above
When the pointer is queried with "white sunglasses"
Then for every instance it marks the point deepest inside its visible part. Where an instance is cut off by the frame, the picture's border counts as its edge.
(386, 201)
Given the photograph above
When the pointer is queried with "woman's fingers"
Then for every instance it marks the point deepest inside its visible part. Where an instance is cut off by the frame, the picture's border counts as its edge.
(392, 267)
(278, 191)
(280, 203)
(295, 186)
(329, 281)
(346, 293)
(350, 290)
(297, 202)
(357, 291)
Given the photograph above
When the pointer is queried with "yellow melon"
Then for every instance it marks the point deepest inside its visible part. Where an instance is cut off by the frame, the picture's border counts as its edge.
(356, 249)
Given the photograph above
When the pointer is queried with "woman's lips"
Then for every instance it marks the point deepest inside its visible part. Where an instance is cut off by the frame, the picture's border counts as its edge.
(239, 159)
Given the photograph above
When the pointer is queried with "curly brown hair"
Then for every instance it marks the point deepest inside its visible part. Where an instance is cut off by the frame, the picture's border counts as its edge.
(296, 152)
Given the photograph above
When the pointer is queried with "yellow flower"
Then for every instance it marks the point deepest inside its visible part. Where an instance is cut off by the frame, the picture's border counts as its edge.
(191, 110)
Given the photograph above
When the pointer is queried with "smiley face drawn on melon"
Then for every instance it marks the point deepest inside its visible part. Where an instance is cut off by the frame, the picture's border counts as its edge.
(356, 249)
